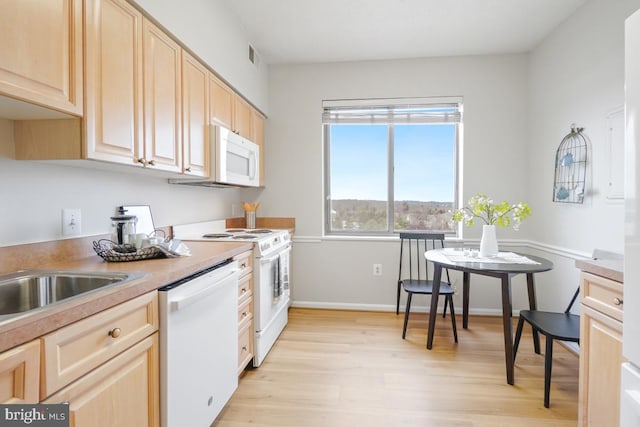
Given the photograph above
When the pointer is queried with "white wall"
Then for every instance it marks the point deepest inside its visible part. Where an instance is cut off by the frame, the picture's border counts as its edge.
(215, 34)
(517, 109)
(339, 273)
(33, 195)
(576, 75)
(494, 92)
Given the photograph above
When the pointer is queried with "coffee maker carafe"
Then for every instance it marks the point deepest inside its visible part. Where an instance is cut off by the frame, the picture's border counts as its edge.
(124, 228)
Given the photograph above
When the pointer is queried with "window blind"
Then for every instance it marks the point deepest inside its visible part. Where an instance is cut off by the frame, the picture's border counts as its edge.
(335, 112)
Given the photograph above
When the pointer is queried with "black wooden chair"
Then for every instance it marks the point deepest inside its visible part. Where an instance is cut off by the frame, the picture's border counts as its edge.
(554, 326)
(413, 274)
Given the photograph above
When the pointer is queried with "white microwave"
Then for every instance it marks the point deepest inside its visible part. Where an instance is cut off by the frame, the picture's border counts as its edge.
(234, 158)
(235, 161)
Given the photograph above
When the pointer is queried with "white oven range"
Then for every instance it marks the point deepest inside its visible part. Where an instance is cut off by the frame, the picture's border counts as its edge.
(270, 275)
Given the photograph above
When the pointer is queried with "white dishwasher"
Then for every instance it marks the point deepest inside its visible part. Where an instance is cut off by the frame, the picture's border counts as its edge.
(198, 345)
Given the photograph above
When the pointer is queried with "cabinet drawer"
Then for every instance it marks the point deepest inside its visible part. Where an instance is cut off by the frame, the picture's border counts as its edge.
(245, 287)
(74, 350)
(19, 374)
(245, 313)
(245, 262)
(122, 392)
(245, 347)
(602, 294)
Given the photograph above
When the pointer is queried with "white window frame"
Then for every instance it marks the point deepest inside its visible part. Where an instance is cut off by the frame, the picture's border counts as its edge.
(372, 112)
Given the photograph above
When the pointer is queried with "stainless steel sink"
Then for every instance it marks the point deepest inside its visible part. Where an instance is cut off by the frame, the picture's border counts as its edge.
(27, 290)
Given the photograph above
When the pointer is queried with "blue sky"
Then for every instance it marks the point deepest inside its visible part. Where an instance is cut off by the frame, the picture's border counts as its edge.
(423, 162)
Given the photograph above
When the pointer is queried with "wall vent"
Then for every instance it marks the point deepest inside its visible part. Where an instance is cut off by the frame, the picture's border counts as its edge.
(253, 56)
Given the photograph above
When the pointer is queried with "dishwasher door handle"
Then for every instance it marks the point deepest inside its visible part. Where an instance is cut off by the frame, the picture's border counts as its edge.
(180, 303)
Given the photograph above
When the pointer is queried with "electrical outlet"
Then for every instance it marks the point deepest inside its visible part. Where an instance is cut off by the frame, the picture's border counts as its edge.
(71, 222)
(377, 269)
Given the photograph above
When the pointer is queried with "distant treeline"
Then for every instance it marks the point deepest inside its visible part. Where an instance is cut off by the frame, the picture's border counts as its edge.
(371, 215)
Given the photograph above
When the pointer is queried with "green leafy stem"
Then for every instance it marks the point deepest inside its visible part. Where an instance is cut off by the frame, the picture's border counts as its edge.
(501, 214)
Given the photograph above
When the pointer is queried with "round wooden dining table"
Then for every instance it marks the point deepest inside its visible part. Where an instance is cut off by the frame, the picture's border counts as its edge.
(503, 267)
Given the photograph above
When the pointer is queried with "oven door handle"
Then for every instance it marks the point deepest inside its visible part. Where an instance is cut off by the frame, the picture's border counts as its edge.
(180, 303)
(275, 257)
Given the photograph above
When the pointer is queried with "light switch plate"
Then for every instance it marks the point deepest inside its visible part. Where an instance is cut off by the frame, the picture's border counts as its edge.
(71, 222)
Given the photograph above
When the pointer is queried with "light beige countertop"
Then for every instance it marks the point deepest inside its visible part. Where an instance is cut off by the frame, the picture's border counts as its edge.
(159, 272)
(609, 268)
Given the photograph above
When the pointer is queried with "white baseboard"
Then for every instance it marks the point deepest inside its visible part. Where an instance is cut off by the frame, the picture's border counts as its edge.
(388, 308)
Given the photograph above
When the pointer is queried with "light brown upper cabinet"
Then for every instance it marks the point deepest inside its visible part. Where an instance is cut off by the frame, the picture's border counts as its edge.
(147, 101)
(113, 118)
(133, 100)
(229, 109)
(195, 117)
(41, 53)
(243, 118)
(221, 99)
(258, 138)
(162, 65)
(113, 43)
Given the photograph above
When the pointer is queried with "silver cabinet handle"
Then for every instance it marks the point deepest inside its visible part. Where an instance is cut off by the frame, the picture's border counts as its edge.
(617, 301)
(115, 332)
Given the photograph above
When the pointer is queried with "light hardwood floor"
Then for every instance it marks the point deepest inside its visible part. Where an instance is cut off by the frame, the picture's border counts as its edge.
(351, 369)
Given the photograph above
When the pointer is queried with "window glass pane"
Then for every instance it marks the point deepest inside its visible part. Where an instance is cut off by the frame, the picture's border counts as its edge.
(424, 187)
(358, 177)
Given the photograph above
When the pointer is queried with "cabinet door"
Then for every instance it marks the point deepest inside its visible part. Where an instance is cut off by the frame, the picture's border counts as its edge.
(113, 44)
(242, 117)
(220, 103)
(123, 392)
(41, 52)
(20, 374)
(245, 346)
(162, 99)
(600, 360)
(195, 116)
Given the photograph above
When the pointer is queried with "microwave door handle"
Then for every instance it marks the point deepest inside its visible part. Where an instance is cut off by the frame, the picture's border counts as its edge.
(252, 164)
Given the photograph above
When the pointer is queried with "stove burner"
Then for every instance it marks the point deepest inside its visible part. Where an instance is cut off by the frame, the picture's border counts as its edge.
(216, 235)
(244, 236)
(235, 230)
(259, 231)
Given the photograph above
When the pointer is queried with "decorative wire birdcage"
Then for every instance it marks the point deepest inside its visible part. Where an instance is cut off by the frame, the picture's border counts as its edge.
(571, 168)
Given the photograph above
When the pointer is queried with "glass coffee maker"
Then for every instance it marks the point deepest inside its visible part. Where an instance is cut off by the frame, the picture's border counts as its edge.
(124, 228)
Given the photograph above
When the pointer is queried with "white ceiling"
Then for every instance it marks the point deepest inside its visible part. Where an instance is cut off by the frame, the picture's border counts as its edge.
(303, 31)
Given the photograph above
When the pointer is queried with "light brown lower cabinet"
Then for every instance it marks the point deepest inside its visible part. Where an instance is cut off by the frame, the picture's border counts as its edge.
(600, 351)
(20, 374)
(123, 392)
(106, 367)
(245, 310)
